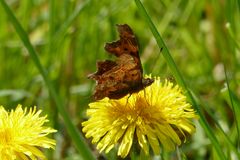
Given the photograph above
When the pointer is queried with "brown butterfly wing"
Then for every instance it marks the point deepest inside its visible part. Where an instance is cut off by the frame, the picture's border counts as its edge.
(115, 82)
(103, 66)
(116, 79)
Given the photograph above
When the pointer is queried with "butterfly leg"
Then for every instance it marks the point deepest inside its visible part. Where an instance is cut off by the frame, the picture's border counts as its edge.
(128, 99)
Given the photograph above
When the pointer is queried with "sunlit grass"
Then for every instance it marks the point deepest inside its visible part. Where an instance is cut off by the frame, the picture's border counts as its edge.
(66, 38)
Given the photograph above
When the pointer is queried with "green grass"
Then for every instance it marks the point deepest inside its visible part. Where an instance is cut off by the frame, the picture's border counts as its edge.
(48, 47)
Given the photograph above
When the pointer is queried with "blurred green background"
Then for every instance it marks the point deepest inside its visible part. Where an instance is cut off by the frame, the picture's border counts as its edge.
(69, 36)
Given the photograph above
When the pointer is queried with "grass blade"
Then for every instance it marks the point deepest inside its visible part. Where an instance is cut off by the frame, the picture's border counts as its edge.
(234, 108)
(58, 36)
(72, 130)
(179, 78)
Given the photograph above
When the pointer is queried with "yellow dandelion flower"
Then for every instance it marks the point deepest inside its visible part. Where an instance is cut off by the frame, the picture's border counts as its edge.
(157, 115)
(22, 134)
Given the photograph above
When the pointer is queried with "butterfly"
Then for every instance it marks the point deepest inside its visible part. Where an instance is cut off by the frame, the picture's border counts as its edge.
(116, 79)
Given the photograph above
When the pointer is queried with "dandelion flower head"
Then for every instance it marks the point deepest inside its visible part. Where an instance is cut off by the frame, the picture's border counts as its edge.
(158, 115)
(23, 134)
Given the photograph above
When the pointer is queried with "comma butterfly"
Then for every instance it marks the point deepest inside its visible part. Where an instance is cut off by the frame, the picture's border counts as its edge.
(115, 79)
